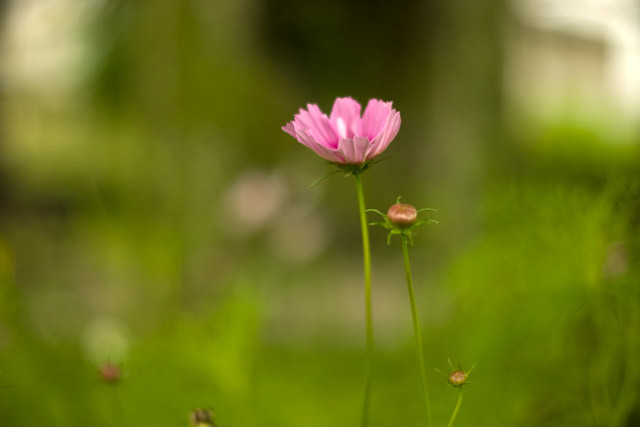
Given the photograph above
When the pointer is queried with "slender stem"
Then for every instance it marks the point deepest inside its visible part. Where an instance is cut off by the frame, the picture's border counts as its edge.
(367, 299)
(416, 328)
(118, 403)
(456, 409)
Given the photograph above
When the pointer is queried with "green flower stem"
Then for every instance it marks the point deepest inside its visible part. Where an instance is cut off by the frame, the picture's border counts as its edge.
(416, 328)
(367, 299)
(456, 409)
(118, 404)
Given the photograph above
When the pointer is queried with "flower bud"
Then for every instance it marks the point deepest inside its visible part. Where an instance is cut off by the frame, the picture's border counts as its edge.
(110, 373)
(402, 214)
(201, 418)
(458, 378)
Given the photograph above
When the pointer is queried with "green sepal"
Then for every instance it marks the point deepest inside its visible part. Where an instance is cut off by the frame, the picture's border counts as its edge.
(382, 214)
(401, 230)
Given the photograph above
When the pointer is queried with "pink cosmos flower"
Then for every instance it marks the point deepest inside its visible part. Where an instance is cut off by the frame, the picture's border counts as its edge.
(345, 137)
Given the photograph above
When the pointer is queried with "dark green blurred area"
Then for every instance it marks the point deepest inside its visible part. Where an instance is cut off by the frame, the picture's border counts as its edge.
(154, 215)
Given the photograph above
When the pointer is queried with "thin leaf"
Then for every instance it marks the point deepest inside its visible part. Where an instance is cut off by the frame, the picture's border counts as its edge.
(319, 180)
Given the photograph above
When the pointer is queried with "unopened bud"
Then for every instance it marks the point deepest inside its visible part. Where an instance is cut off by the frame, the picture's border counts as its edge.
(110, 373)
(402, 214)
(458, 378)
(201, 418)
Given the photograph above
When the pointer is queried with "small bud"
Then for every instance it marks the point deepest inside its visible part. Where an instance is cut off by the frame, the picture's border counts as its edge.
(458, 378)
(201, 418)
(402, 214)
(110, 373)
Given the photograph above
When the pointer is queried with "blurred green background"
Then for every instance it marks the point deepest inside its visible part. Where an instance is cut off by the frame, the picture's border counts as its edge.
(154, 215)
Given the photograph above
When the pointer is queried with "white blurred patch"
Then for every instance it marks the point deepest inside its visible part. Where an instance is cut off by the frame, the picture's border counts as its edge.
(253, 199)
(579, 55)
(342, 127)
(300, 234)
(44, 45)
(106, 340)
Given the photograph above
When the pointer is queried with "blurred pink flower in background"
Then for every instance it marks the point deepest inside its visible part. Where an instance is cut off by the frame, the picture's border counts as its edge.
(345, 137)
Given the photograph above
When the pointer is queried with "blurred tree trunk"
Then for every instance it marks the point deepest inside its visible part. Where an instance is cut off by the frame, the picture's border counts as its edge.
(463, 109)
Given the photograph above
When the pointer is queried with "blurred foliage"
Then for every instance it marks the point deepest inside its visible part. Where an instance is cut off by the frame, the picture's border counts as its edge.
(157, 218)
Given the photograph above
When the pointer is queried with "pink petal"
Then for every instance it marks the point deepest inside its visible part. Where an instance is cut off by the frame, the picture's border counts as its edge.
(327, 153)
(318, 125)
(354, 150)
(374, 118)
(384, 138)
(346, 138)
(345, 113)
(290, 129)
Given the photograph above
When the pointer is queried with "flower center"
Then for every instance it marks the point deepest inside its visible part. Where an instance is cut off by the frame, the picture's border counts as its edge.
(342, 128)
